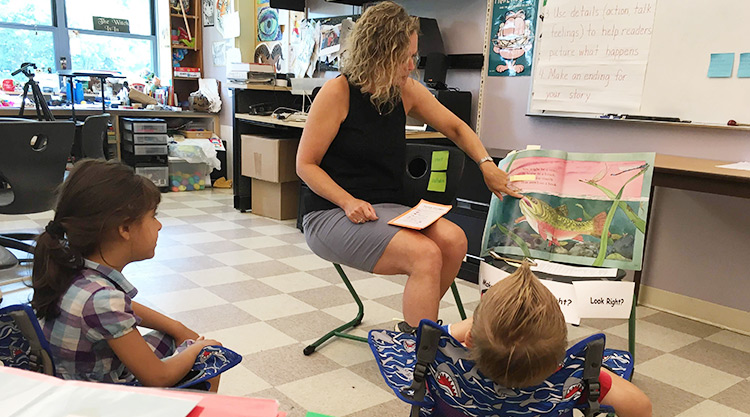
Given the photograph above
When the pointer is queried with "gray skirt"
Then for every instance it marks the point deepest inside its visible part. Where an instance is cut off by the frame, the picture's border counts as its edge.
(333, 237)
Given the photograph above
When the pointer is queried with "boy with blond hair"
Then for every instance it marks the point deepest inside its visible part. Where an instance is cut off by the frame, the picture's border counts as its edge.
(518, 338)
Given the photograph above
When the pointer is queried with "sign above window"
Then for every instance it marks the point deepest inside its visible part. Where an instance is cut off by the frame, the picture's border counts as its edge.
(110, 24)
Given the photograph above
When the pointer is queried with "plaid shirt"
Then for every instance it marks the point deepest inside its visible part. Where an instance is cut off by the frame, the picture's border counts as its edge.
(96, 307)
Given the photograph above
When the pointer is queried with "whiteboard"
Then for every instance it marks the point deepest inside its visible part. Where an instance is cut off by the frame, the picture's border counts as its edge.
(674, 79)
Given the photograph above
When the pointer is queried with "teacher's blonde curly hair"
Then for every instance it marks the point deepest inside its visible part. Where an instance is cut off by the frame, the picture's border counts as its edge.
(376, 48)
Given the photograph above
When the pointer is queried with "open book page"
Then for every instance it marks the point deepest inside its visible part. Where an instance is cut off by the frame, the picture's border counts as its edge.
(422, 215)
(31, 394)
(573, 200)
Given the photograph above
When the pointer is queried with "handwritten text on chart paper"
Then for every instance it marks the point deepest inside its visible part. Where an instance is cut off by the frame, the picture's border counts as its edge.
(592, 55)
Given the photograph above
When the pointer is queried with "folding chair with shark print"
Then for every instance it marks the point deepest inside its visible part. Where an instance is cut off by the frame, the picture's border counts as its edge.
(23, 346)
(432, 372)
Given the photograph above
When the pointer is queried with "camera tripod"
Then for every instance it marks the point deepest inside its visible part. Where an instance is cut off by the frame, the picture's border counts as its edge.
(42, 110)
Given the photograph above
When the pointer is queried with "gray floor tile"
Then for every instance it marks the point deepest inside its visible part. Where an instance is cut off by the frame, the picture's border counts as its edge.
(324, 297)
(666, 400)
(245, 290)
(736, 397)
(215, 247)
(682, 324)
(729, 360)
(214, 318)
(266, 269)
(306, 326)
(287, 363)
(280, 252)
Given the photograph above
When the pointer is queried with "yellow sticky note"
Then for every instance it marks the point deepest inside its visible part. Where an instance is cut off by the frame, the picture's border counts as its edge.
(440, 160)
(437, 182)
(533, 147)
(525, 177)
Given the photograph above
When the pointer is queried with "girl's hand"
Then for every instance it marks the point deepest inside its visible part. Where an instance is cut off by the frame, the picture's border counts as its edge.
(359, 211)
(203, 342)
(497, 181)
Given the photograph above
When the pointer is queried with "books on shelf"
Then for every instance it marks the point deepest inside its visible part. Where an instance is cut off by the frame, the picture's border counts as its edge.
(187, 72)
(250, 77)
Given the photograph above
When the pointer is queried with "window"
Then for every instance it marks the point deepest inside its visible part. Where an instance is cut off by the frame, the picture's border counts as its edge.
(60, 34)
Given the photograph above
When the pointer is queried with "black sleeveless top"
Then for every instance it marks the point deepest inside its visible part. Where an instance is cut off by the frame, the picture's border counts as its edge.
(367, 157)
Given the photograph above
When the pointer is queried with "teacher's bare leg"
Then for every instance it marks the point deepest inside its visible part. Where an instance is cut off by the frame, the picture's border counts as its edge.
(412, 253)
(451, 240)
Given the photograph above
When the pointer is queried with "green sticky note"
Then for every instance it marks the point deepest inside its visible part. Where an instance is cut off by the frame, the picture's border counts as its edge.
(439, 160)
(311, 414)
(437, 182)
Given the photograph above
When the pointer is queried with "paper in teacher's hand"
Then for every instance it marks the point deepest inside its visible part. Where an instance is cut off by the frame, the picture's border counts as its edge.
(421, 215)
(604, 299)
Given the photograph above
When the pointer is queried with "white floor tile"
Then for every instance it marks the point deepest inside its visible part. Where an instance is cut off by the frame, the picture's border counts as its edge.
(170, 221)
(251, 338)
(259, 242)
(371, 288)
(713, 409)
(692, 377)
(248, 256)
(375, 313)
(298, 281)
(274, 306)
(655, 336)
(203, 204)
(352, 393)
(218, 226)
(193, 238)
(346, 352)
(731, 339)
(185, 300)
(240, 381)
(164, 253)
(182, 212)
(278, 229)
(306, 262)
(216, 276)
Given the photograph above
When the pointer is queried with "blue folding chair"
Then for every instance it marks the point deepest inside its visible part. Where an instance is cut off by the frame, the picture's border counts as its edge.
(23, 346)
(432, 372)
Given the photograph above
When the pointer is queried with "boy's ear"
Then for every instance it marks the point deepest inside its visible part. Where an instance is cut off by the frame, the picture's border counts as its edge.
(468, 342)
(124, 231)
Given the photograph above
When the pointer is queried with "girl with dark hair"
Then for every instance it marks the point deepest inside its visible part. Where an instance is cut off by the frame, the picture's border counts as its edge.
(105, 218)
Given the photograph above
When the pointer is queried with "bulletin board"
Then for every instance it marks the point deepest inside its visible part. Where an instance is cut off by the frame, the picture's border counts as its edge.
(650, 58)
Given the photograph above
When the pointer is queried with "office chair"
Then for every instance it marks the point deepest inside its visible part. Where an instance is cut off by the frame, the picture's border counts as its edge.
(433, 372)
(91, 141)
(419, 158)
(32, 163)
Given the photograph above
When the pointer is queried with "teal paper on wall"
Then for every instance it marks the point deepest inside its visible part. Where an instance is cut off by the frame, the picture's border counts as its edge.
(512, 37)
(721, 65)
(743, 71)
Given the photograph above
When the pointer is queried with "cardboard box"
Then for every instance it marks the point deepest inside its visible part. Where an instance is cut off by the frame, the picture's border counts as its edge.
(276, 200)
(269, 158)
(197, 134)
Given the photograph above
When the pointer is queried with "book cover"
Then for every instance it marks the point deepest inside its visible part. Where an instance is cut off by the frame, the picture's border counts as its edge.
(580, 208)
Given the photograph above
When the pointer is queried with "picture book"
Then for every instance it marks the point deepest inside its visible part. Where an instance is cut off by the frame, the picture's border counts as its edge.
(578, 208)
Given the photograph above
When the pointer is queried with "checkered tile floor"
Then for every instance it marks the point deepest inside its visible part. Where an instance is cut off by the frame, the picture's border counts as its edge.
(252, 283)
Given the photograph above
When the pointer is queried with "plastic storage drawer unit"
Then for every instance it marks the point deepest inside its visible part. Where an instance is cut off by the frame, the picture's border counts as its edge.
(144, 125)
(145, 149)
(145, 138)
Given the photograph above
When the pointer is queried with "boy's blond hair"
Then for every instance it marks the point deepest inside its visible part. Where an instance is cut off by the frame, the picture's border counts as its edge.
(518, 336)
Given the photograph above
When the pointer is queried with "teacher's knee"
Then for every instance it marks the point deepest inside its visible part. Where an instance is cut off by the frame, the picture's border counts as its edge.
(426, 257)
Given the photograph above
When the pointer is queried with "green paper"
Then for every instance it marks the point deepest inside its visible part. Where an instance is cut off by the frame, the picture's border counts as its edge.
(311, 414)
(437, 182)
(440, 161)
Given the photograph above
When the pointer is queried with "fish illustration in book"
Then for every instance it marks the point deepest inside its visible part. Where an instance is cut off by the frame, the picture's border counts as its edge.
(553, 225)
